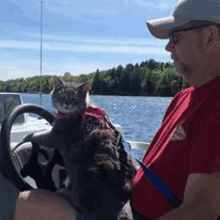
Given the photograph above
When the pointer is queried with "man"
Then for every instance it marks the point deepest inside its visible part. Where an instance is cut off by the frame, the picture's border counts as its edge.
(185, 152)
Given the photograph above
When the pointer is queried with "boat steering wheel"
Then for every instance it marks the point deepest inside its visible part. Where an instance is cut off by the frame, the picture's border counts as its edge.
(40, 171)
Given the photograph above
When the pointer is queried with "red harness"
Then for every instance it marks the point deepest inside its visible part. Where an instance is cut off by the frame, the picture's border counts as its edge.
(93, 118)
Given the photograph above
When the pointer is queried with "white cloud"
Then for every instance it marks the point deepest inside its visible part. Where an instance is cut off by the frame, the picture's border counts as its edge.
(13, 72)
(145, 3)
(19, 45)
(164, 6)
(101, 40)
(105, 12)
(85, 48)
(87, 44)
(82, 9)
(29, 68)
(158, 4)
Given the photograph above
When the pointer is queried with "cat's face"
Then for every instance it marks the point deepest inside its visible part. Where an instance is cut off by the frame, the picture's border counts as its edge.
(69, 97)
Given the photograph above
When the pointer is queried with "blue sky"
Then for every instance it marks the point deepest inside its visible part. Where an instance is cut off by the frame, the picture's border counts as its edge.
(79, 36)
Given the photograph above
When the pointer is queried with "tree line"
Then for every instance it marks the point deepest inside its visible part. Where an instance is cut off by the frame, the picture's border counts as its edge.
(149, 78)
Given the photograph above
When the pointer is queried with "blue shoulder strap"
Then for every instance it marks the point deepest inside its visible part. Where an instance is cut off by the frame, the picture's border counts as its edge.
(156, 181)
(160, 185)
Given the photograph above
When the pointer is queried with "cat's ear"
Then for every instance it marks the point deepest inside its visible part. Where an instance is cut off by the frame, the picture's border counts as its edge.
(86, 86)
(57, 81)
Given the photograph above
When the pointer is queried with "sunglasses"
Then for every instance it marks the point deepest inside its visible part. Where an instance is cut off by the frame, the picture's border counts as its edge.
(173, 37)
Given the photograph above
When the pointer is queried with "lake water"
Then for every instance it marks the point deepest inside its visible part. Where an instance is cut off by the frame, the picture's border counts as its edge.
(140, 117)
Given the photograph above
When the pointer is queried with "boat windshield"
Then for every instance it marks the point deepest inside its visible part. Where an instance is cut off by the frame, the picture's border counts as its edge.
(7, 103)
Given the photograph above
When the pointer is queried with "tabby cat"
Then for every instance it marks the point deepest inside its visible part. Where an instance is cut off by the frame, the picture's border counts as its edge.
(99, 172)
(69, 97)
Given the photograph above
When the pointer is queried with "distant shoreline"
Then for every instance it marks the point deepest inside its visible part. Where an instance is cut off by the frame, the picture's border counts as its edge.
(107, 95)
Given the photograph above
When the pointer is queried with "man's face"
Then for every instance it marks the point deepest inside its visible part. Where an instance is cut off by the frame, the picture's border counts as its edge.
(187, 52)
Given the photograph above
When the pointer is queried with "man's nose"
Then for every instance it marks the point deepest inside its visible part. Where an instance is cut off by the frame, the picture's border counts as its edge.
(169, 47)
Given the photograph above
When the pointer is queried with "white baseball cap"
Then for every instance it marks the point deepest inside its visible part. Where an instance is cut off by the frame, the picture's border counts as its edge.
(186, 11)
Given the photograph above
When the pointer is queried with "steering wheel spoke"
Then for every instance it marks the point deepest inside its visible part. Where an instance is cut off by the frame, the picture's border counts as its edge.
(21, 154)
(17, 162)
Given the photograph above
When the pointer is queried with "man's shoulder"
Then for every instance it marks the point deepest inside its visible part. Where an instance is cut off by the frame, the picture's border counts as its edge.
(185, 91)
(182, 94)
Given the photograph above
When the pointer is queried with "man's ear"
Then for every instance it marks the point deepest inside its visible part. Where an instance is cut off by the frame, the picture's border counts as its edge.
(212, 36)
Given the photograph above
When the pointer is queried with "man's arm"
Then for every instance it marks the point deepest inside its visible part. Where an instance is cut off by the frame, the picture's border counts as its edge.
(201, 199)
(42, 204)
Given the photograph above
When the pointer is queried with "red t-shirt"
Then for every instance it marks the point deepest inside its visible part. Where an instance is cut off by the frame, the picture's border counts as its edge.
(188, 141)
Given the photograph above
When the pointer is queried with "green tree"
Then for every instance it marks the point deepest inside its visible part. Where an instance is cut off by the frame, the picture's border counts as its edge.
(97, 84)
(152, 64)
